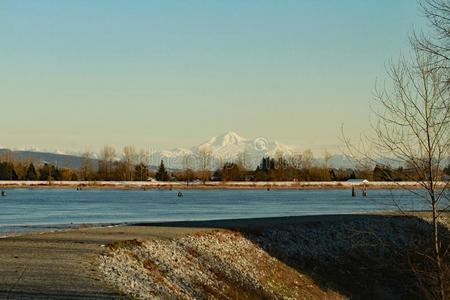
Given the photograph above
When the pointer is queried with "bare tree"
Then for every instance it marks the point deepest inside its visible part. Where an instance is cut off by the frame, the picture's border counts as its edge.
(326, 159)
(437, 41)
(144, 156)
(8, 156)
(413, 127)
(295, 160)
(307, 159)
(243, 160)
(86, 167)
(107, 157)
(129, 158)
(188, 165)
(204, 156)
(143, 161)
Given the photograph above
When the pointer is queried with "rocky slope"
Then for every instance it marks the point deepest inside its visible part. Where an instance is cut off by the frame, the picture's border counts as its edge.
(213, 265)
(322, 257)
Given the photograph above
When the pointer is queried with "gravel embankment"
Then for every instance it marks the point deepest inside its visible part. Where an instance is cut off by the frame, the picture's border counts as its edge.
(365, 257)
(214, 265)
(323, 257)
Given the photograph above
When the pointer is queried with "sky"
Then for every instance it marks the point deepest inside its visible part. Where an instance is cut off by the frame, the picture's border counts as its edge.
(81, 74)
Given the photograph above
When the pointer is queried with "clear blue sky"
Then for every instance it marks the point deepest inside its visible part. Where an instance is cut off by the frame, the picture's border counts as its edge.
(174, 73)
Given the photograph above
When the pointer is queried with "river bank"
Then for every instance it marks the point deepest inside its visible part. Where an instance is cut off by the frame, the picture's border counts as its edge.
(211, 185)
(321, 257)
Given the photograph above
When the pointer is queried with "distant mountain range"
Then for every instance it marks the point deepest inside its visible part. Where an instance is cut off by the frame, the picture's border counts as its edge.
(227, 147)
(60, 160)
(231, 147)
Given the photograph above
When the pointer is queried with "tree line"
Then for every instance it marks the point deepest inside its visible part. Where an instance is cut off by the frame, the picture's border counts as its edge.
(134, 166)
(28, 171)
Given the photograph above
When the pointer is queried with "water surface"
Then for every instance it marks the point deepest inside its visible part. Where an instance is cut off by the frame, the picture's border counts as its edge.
(46, 209)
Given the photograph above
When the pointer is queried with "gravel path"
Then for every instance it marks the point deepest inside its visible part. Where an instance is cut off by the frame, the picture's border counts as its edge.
(62, 265)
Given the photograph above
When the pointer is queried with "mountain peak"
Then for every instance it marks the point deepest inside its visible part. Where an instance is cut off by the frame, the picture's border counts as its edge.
(228, 147)
(224, 140)
(230, 138)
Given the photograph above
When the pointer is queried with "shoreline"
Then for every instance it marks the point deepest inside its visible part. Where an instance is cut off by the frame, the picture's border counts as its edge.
(66, 264)
(203, 223)
(145, 185)
(231, 223)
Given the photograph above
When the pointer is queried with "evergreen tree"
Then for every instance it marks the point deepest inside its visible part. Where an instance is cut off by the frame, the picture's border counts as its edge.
(231, 172)
(31, 173)
(7, 171)
(50, 172)
(267, 164)
(141, 172)
(3, 171)
(56, 173)
(44, 172)
(13, 174)
(162, 174)
(333, 175)
(264, 172)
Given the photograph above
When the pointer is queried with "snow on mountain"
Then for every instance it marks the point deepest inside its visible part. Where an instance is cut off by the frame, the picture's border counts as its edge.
(230, 146)
(227, 147)
(173, 158)
(175, 152)
(275, 149)
(44, 150)
(224, 140)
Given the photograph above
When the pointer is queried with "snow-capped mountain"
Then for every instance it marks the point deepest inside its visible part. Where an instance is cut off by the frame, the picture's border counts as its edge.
(227, 147)
(231, 146)
(177, 152)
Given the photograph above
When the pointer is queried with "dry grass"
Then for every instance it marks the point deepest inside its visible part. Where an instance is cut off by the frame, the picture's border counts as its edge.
(124, 244)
